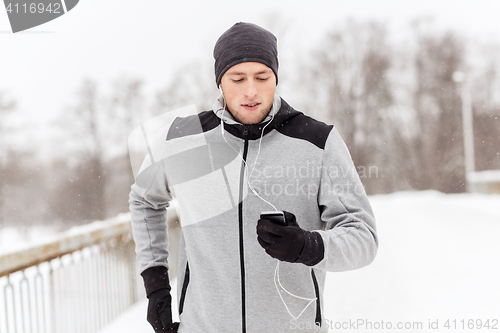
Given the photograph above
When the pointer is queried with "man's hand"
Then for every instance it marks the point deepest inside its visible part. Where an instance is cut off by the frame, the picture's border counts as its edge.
(290, 243)
(158, 292)
(160, 312)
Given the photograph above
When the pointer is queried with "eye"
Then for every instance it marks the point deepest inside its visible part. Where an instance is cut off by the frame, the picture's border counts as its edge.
(237, 81)
(262, 78)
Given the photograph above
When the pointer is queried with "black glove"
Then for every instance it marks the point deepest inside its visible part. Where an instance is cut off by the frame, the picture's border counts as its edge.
(158, 292)
(290, 243)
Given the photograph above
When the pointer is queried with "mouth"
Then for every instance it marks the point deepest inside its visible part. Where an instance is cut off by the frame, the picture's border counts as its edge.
(251, 106)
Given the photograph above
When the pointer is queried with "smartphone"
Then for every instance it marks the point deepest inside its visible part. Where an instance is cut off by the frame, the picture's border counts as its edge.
(276, 217)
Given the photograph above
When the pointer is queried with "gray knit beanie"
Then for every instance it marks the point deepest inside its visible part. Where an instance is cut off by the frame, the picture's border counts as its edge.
(245, 42)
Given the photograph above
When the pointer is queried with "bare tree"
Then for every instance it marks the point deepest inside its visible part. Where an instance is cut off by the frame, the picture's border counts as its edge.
(127, 111)
(485, 90)
(21, 177)
(84, 188)
(6, 106)
(193, 83)
(437, 150)
(348, 86)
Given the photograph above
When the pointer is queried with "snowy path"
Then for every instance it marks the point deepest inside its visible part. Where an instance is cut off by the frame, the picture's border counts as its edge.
(439, 259)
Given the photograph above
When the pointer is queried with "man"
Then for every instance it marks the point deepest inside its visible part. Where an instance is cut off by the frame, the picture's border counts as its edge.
(252, 153)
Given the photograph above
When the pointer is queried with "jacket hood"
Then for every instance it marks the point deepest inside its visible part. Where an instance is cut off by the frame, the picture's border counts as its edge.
(218, 108)
(280, 112)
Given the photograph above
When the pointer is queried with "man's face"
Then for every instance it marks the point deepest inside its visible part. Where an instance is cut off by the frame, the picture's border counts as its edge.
(248, 89)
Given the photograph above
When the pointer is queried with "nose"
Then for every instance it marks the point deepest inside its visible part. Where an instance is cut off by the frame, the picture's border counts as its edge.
(250, 90)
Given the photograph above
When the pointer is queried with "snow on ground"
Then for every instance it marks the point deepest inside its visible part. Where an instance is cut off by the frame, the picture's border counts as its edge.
(439, 259)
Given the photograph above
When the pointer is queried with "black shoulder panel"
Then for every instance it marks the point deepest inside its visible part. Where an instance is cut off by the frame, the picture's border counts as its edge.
(306, 128)
(191, 125)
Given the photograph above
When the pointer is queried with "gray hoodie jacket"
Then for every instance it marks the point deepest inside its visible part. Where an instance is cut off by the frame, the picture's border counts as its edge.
(223, 177)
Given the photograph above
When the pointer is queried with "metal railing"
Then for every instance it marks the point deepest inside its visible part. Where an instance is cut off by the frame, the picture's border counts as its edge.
(77, 282)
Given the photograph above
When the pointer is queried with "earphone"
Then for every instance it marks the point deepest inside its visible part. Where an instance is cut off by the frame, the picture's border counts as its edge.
(222, 115)
(277, 281)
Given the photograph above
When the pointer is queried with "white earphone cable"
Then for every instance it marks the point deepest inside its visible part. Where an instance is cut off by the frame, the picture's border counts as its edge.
(277, 281)
(245, 162)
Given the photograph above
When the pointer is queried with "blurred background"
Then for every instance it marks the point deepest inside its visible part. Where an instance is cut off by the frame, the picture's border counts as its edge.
(72, 90)
(413, 88)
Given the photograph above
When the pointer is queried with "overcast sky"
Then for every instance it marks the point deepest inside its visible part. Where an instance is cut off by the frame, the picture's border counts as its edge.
(101, 39)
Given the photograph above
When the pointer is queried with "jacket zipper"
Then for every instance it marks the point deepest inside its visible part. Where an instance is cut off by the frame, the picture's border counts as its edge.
(184, 289)
(240, 219)
(317, 320)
